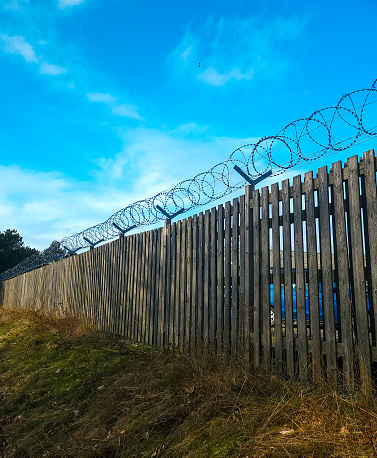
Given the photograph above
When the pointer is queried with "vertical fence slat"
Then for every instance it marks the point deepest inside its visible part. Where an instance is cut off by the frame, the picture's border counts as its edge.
(346, 333)
(241, 299)
(206, 277)
(276, 277)
(359, 293)
(265, 277)
(182, 283)
(154, 289)
(256, 269)
(288, 295)
(300, 279)
(172, 309)
(177, 286)
(234, 273)
(327, 278)
(220, 279)
(371, 208)
(199, 340)
(167, 277)
(194, 293)
(248, 272)
(188, 283)
(315, 332)
(213, 276)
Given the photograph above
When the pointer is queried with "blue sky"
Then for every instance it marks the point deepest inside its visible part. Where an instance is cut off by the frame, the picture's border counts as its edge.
(104, 102)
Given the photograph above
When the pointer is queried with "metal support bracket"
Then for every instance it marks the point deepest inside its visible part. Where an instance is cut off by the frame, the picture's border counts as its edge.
(165, 213)
(71, 251)
(123, 231)
(250, 180)
(93, 244)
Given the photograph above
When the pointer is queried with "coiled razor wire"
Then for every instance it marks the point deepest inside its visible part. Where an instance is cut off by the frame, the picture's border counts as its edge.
(329, 130)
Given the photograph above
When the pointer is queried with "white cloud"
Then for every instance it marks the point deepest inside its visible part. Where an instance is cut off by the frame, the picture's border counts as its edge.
(187, 52)
(49, 206)
(100, 97)
(128, 110)
(14, 5)
(18, 45)
(214, 78)
(231, 49)
(48, 69)
(65, 3)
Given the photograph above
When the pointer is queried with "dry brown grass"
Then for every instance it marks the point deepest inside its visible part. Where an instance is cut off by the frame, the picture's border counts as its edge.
(163, 404)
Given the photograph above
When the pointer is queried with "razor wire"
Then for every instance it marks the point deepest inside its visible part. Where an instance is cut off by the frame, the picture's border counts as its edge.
(329, 130)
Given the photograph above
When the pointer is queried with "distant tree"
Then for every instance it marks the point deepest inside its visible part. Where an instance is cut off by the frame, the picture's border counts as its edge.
(53, 252)
(13, 249)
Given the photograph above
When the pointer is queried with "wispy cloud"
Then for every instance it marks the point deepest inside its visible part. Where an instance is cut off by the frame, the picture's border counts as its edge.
(231, 49)
(14, 5)
(127, 110)
(18, 45)
(67, 3)
(100, 97)
(46, 206)
(48, 69)
(214, 78)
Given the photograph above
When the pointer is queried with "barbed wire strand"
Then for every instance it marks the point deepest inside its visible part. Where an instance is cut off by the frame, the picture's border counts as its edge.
(275, 154)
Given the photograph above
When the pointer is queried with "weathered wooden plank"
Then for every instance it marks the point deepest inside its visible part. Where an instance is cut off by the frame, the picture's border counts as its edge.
(177, 300)
(371, 210)
(206, 283)
(162, 286)
(131, 286)
(213, 277)
(288, 295)
(327, 280)
(220, 279)
(167, 284)
(188, 283)
(182, 283)
(265, 279)
(194, 290)
(278, 325)
(359, 293)
(130, 241)
(148, 337)
(241, 299)
(235, 280)
(139, 288)
(227, 276)
(256, 288)
(122, 282)
(154, 289)
(300, 280)
(172, 309)
(156, 330)
(313, 279)
(135, 289)
(346, 333)
(143, 287)
(199, 339)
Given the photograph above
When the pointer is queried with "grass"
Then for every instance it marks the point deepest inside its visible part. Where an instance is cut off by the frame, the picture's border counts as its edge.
(67, 391)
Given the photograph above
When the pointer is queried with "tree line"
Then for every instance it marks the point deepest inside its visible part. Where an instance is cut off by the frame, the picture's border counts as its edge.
(13, 249)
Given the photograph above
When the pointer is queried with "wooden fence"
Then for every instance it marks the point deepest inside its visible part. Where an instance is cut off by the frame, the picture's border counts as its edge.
(285, 277)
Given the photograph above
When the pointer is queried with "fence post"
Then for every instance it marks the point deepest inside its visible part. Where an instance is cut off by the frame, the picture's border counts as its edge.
(162, 289)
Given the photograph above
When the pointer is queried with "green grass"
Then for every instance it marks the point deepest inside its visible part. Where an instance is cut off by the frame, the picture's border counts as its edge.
(157, 403)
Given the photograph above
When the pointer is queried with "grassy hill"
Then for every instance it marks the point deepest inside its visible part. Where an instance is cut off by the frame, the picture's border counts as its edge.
(67, 391)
